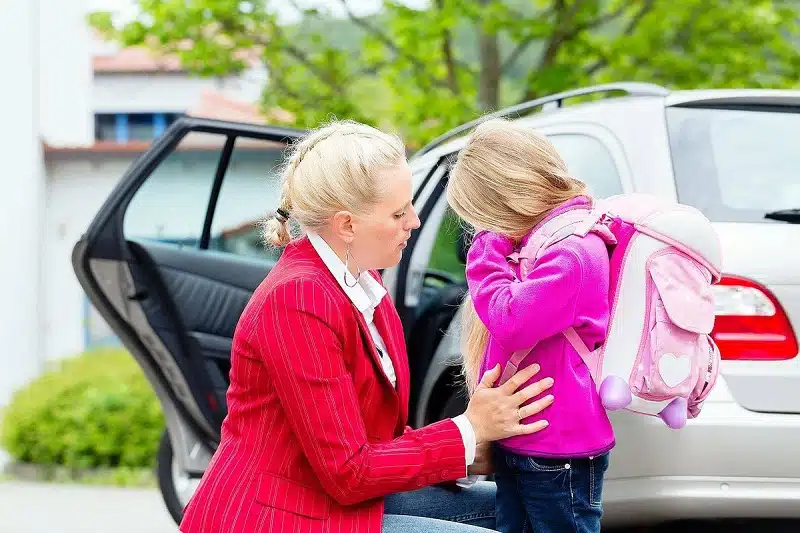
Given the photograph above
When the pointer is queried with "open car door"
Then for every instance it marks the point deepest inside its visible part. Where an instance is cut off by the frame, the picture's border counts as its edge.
(170, 261)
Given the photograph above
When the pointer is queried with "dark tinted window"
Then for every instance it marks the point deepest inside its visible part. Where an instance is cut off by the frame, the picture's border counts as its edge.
(105, 127)
(736, 165)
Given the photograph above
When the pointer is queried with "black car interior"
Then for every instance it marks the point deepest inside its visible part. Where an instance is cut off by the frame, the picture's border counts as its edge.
(441, 297)
(201, 293)
(192, 295)
(210, 290)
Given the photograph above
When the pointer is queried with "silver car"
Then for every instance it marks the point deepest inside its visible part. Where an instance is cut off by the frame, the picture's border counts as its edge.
(173, 255)
(735, 155)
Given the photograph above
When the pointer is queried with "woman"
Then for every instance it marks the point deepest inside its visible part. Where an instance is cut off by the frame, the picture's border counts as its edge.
(316, 437)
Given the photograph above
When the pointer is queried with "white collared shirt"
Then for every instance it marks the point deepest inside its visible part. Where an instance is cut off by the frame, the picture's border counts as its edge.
(366, 295)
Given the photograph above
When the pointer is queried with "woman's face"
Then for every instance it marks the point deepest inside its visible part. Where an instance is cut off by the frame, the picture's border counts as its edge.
(379, 236)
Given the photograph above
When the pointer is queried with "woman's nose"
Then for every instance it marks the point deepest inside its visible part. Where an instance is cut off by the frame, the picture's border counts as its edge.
(414, 221)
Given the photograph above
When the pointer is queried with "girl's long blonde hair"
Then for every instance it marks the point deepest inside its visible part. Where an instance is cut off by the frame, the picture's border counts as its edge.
(506, 179)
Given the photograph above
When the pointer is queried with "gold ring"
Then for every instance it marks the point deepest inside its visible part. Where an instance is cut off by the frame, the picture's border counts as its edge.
(519, 414)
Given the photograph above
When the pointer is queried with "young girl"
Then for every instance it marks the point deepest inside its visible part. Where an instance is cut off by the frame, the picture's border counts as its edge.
(507, 180)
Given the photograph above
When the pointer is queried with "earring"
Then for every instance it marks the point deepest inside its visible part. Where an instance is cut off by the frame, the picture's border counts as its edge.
(347, 268)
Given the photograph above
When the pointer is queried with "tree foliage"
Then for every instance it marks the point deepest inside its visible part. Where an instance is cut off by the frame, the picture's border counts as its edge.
(422, 71)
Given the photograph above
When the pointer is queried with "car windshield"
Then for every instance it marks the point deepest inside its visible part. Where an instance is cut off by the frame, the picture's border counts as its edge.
(736, 165)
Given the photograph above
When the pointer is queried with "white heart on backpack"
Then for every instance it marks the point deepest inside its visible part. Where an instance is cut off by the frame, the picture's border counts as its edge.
(674, 369)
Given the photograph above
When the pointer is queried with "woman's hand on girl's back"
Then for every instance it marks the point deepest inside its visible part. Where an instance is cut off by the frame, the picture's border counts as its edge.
(495, 412)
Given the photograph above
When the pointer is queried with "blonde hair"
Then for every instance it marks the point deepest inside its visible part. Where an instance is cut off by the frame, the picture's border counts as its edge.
(506, 179)
(332, 168)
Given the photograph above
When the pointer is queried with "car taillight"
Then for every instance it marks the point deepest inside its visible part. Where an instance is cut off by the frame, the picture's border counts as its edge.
(750, 322)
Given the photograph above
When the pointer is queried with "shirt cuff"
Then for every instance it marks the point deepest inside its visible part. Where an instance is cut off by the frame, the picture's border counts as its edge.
(468, 435)
(467, 482)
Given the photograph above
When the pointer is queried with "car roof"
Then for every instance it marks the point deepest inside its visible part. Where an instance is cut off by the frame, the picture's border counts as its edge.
(733, 96)
(454, 140)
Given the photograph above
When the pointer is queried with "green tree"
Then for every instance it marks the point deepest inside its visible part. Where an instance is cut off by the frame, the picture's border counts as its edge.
(423, 71)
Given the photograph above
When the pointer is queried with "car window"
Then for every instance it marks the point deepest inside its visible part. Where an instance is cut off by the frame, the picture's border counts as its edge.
(444, 256)
(171, 204)
(735, 165)
(589, 160)
(419, 171)
(250, 191)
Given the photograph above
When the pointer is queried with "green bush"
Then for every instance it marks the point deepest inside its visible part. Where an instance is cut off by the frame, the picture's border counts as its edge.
(93, 410)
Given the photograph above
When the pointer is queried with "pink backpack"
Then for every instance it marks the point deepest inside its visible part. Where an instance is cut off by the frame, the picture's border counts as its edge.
(659, 358)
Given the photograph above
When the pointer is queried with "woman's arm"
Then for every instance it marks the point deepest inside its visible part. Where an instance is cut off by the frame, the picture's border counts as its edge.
(520, 313)
(302, 351)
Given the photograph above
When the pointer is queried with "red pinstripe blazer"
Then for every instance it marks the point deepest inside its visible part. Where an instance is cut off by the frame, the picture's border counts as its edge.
(315, 434)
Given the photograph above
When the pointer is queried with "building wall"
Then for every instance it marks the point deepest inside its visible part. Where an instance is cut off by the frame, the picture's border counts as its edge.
(22, 207)
(77, 185)
(43, 212)
(166, 92)
(64, 71)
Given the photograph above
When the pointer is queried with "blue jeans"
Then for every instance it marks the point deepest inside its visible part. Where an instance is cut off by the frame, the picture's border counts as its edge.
(548, 495)
(438, 510)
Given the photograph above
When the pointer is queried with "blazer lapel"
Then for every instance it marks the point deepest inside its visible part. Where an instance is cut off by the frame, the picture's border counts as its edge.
(372, 350)
(392, 333)
(307, 249)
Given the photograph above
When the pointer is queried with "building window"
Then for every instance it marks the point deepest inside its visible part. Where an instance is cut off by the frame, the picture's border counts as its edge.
(105, 127)
(122, 128)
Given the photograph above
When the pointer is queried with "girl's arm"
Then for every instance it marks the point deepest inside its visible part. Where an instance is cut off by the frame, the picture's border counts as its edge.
(520, 313)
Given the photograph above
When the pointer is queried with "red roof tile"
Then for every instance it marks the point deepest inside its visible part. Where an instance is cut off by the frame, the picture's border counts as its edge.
(217, 106)
(135, 59)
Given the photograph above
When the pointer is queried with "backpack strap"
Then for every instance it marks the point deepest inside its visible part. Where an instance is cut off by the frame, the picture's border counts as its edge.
(517, 357)
(513, 364)
(581, 224)
(579, 221)
(552, 231)
(577, 343)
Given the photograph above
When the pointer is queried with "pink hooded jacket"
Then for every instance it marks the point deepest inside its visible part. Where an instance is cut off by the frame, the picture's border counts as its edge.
(568, 286)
